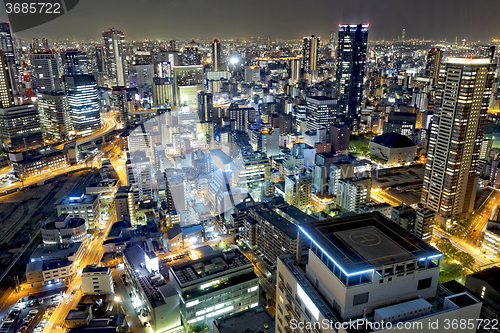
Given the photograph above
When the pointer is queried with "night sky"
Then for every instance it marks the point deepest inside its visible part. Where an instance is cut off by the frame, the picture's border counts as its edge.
(290, 19)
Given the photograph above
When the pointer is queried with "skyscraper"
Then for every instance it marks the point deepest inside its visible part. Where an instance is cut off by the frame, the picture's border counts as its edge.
(205, 106)
(6, 93)
(191, 54)
(114, 57)
(487, 51)
(46, 71)
(84, 103)
(320, 112)
(75, 62)
(216, 56)
(457, 131)
(433, 62)
(310, 52)
(351, 60)
(54, 114)
(119, 103)
(7, 47)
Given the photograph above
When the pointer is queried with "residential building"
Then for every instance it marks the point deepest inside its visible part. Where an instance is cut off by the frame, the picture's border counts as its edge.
(97, 280)
(353, 193)
(457, 131)
(338, 171)
(298, 190)
(114, 56)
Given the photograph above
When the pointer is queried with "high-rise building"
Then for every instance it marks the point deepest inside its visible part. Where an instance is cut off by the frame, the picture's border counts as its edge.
(188, 81)
(403, 35)
(252, 74)
(433, 63)
(320, 112)
(119, 103)
(216, 56)
(205, 106)
(115, 64)
(339, 138)
(353, 193)
(45, 71)
(74, 62)
(54, 114)
(191, 54)
(6, 93)
(294, 69)
(338, 171)
(487, 51)
(310, 51)
(298, 190)
(20, 128)
(457, 131)
(367, 272)
(83, 102)
(138, 170)
(351, 60)
(6, 42)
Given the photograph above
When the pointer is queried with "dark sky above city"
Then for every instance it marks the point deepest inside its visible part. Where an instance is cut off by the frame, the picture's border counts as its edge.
(290, 19)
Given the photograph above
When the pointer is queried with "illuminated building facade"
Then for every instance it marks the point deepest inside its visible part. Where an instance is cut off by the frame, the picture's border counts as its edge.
(191, 54)
(83, 102)
(20, 128)
(6, 92)
(46, 71)
(353, 193)
(298, 190)
(75, 62)
(54, 115)
(433, 62)
(115, 63)
(351, 61)
(310, 50)
(215, 286)
(216, 56)
(364, 268)
(462, 101)
(320, 112)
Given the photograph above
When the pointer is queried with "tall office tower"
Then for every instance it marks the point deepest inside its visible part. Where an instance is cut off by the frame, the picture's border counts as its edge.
(457, 131)
(268, 42)
(45, 71)
(366, 271)
(54, 115)
(191, 54)
(487, 52)
(45, 44)
(310, 51)
(332, 37)
(20, 128)
(83, 102)
(403, 35)
(74, 62)
(353, 193)
(216, 56)
(351, 60)
(172, 45)
(114, 57)
(176, 192)
(320, 112)
(433, 63)
(294, 69)
(298, 190)
(339, 137)
(119, 103)
(6, 93)
(6, 42)
(205, 106)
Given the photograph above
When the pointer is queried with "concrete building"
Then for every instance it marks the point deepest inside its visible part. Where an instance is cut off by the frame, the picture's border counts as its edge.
(20, 128)
(252, 169)
(338, 171)
(85, 206)
(402, 123)
(46, 71)
(124, 202)
(97, 280)
(353, 193)
(266, 140)
(64, 229)
(457, 131)
(256, 320)
(491, 240)
(393, 148)
(320, 112)
(298, 190)
(55, 117)
(157, 301)
(114, 57)
(360, 269)
(33, 163)
(215, 286)
(339, 138)
(485, 283)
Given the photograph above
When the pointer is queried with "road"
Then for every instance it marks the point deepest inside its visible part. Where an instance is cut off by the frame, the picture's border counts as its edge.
(481, 217)
(382, 196)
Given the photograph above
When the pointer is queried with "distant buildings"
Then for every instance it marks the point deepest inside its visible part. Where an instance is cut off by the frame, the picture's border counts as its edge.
(6, 88)
(191, 54)
(351, 62)
(450, 180)
(433, 63)
(75, 62)
(216, 56)
(310, 50)
(46, 71)
(402, 123)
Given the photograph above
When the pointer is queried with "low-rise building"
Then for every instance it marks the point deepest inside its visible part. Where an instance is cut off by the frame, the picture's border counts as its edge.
(215, 286)
(85, 206)
(97, 280)
(64, 229)
(491, 241)
(486, 283)
(34, 163)
(393, 148)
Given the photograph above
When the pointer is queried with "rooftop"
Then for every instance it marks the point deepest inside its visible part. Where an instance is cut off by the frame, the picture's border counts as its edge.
(393, 140)
(256, 320)
(366, 241)
(490, 275)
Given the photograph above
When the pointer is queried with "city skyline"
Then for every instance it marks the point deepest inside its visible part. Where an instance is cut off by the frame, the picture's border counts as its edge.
(287, 21)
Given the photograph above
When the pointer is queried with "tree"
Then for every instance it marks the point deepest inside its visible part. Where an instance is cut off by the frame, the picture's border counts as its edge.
(197, 328)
